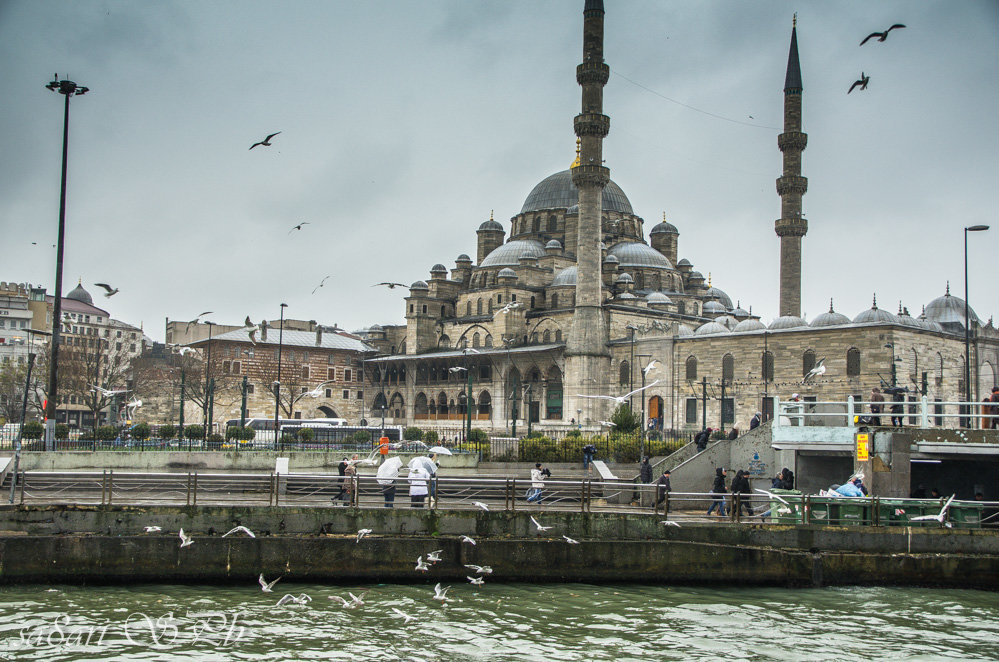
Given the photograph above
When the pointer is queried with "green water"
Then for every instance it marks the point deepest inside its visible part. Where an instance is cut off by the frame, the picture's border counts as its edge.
(498, 622)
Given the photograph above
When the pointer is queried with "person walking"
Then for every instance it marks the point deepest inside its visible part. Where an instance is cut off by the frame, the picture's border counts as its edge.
(741, 487)
(755, 421)
(876, 400)
(589, 450)
(719, 488)
(994, 398)
(662, 492)
(645, 470)
(897, 409)
(702, 439)
(342, 470)
(537, 484)
(418, 477)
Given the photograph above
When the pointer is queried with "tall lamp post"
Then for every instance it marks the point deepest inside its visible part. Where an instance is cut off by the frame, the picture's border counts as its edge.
(967, 325)
(24, 408)
(641, 452)
(208, 388)
(67, 88)
(277, 382)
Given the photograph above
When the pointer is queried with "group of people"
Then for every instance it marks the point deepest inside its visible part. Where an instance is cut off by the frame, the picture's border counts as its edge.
(897, 408)
(740, 486)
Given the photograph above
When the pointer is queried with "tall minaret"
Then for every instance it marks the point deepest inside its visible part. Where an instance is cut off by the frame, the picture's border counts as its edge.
(791, 227)
(587, 359)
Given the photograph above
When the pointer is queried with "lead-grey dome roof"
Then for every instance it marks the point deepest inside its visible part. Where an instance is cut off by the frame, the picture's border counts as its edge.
(554, 243)
(875, 315)
(624, 278)
(657, 298)
(558, 191)
(565, 277)
(831, 318)
(713, 308)
(419, 285)
(751, 324)
(438, 269)
(787, 322)
(80, 294)
(506, 272)
(463, 258)
(508, 255)
(491, 225)
(726, 300)
(637, 254)
(710, 328)
(947, 309)
(664, 227)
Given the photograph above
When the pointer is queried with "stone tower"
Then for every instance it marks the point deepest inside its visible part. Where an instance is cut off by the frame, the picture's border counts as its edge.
(587, 359)
(791, 226)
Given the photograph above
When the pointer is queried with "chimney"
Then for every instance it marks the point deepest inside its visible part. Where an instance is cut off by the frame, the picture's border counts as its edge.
(263, 330)
(319, 335)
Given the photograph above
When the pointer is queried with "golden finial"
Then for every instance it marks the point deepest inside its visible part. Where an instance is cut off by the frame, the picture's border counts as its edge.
(491, 214)
(577, 161)
(664, 216)
(794, 20)
(709, 279)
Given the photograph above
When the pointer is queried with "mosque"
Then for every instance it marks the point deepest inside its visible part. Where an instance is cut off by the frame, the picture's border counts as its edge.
(575, 303)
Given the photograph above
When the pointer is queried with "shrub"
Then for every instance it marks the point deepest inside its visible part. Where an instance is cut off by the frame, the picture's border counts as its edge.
(167, 432)
(478, 435)
(535, 435)
(362, 437)
(242, 434)
(193, 431)
(306, 434)
(61, 431)
(32, 430)
(215, 439)
(107, 433)
(412, 434)
(141, 431)
(573, 434)
(431, 437)
(625, 421)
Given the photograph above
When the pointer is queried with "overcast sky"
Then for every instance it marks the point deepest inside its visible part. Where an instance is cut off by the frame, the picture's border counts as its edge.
(404, 123)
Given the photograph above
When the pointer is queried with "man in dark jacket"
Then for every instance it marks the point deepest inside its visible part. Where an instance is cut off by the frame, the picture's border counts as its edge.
(755, 421)
(645, 470)
(876, 399)
(662, 490)
(702, 439)
(740, 486)
(718, 488)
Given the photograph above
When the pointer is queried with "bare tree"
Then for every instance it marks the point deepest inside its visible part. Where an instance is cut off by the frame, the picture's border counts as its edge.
(96, 372)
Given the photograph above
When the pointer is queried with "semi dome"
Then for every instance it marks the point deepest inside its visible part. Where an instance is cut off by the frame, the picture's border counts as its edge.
(80, 294)
(683, 330)
(624, 278)
(657, 298)
(419, 285)
(787, 322)
(710, 329)
(739, 312)
(506, 272)
(637, 254)
(491, 225)
(555, 244)
(509, 253)
(664, 228)
(626, 295)
(684, 262)
(728, 321)
(558, 191)
(565, 277)
(752, 324)
(713, 308)
(945, 310)
(611, 259)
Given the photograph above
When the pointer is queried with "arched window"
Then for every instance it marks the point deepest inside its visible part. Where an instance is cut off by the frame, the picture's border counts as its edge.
(681, 308)
(485, 403)
(537, 224)
(552, 223)
(442, 404)
(624, 374)
(554, 301)
(534, 337)
(468, 308)
(532, 303)
(691, 368)
(475, 339)
(489, 340)
(853, 362)
(547, 337)
(807, 362)
(424, 309)
(443, 311)
(728, 368)
(420, 407)
(444, 342)
(478, 307)
(490, 306)
(768, 366)
(558, 335)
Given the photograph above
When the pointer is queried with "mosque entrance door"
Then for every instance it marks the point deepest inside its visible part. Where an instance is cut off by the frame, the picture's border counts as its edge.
(656, 412)
(535, 411)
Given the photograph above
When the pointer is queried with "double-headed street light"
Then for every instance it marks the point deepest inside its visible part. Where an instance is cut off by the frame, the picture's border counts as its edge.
(967, 329)
(67, 88)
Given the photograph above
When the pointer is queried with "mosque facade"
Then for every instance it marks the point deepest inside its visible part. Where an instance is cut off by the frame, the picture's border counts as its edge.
(575, 302)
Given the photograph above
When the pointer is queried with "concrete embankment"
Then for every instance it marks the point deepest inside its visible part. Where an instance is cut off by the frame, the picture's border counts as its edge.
(106, 545)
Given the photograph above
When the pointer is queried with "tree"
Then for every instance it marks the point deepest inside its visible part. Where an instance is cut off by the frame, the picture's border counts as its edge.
(625, 420)
(94, 372)
(12, 376)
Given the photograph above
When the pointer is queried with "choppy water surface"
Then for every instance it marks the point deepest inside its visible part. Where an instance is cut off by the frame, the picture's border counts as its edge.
(498, 622)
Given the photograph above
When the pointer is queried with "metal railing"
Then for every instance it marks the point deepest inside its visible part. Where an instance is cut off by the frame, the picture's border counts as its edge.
(922, 413)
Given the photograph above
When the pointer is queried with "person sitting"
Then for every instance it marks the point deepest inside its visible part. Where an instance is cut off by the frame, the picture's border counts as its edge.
(850, 489)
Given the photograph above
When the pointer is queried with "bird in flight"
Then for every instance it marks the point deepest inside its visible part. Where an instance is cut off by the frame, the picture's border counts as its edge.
(298, 227)
(939, 516)
(251, 330)
(538, 524)
(196, 320)
(669, 523)
(456, 368)
(391, 286)
(239, 529)
(647, 369)
(480, 569)
(398, 612)
(361, 533)
(185, 540)
(321, 283)
(420, 565)
(481, 505)
(478, 581)
(570, 540)
(468, 539)
(508, 307)
(618, 399)
(441, 593)
(435, 556)
(265, 585)
(864, 78)
(817, 371)
(881, 35)
(266, 142)
(153, 529)
(300, 599)
(111, 291)
(609, 424)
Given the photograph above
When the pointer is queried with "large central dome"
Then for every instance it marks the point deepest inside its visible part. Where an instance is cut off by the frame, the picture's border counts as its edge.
(558, 191)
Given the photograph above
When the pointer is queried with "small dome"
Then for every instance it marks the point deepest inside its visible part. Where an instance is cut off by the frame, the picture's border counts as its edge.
(715, 293)
(80, 294)
(657, 298)
(831, 318)
(751, 324)
(928, 324)
(527, 255)
(713, 308)
(506, 272)
(787, 322)
(509, 253)
(683, 330)
(947, 310)
(664, 228)
(463, 258)
(626, 295)
(739, 313)
(728, 321)
(710, 329)
(565, 277)
(624, 278)
(491, 225)
(907, 320)
(696, 274)
(438, 269)
(419, 285)
(875, 315)
(375, 327)
(637, 254)
(611, 259)
(684, 262)
(554, 244)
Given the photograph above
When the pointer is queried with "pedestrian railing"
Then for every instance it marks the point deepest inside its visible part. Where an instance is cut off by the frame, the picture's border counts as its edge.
(921, 412)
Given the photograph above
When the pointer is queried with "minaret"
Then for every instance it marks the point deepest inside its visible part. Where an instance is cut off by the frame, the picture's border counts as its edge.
(791, 227)
(587, 361)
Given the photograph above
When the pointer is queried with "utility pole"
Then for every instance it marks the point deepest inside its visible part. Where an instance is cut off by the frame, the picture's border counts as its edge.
(180, 434)
(527, 401)
(242, 406)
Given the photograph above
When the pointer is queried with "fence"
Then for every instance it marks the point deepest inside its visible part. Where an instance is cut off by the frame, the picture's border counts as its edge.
(921, 413)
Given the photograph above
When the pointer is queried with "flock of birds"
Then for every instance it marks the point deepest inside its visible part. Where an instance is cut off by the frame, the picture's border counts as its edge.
(881, 36)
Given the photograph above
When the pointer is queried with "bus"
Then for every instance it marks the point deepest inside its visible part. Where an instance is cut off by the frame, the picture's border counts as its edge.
(325, 431)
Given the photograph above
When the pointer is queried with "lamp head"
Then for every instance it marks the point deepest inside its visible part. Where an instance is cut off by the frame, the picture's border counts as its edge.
(977, 228)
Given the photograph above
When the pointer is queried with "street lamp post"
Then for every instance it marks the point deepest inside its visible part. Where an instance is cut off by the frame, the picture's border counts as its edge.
(208, 365)
(277, 382)
(641, 452)
(24, 409)
(67, 88)
(967, 325)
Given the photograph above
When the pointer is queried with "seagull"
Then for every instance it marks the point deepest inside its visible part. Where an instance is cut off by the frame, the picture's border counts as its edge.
(346, 604)
(196, 320)
(107, 392)
(300, 599)
(185, 540)
(457, 368)
(266, 142)
(647, 369)
(238, 529)
(185, 350)
(356, 600)
(773, 496)
(607, 423)
(669, 523)
(111, 291)
(391, 286)
(420, 565)
(864, 78)
(299, 226)
(480, 569)
(570, 540)
(881, 35)
(441, 593)
(469, 350)
(817, 371)
(323, 282)
(513, 305)
(481, 505)
(153, 529)
(469, 540)
(939, 516)
(538, 524)
(618, 399)
(478, 581)
(434, 556)
(361, 533)
(265, 585)
(406, 617)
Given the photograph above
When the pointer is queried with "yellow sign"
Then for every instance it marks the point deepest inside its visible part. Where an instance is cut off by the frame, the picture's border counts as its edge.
(862, 454)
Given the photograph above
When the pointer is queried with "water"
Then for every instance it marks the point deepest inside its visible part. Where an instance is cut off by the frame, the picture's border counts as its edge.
(498, 622)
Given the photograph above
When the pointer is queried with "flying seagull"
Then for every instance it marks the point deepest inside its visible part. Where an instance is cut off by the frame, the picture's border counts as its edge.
(468, 539)
(609, 424)
(266, 142)
(479, 504)
(240, 529)
(647, 369)
(510, 306)
(881, 35)
(434, 556)
(391, 286)
(153, 529)
(407, 618)
(420, 565)
(669, 523)
(538, 524)
(196, 320)
(480, 569)
(111, 291)
(864, 78)
(773, 496)
(346, 604)
(570, 540)
(456, 368)
(265, 585)
(321, 283)
(107, 392)
(619, 399)
(441, 593)
(478, 581)
(361, 533)
(817, 371)
(185, 540)
(299, 226)
(300, 599)
(939, 516)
